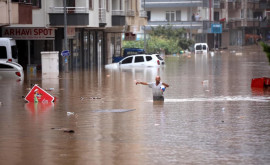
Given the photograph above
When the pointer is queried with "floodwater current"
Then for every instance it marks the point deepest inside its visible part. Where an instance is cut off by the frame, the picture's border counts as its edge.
(210, 115)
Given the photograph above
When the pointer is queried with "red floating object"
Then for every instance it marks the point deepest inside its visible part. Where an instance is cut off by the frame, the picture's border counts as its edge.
(37, 94)
(263, 82)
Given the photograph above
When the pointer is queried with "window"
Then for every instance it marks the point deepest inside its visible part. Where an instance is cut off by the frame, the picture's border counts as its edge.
(139, 59)
(14, 52)
(35, 3)
(91, 5)
(170, 16)
(159, 57)
(127, 60)
(107, 6)
(148, 58)
(5, 66)
(178, 15)
(3, 52)
(148, 15)
(204, 47)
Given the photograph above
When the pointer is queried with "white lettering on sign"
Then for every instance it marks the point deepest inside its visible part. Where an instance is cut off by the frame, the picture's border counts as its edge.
(29, 33)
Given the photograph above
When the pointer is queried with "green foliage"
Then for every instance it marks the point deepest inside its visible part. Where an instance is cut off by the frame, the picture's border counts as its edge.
(133, 44)
(266, 49)
(175, 39)
(162, 38)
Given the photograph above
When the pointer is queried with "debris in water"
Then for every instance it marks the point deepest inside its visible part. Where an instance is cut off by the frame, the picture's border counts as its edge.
(114, 110)
(91, 98)
(64, 129)
(49, 89)
(205, 82)
(70, 113)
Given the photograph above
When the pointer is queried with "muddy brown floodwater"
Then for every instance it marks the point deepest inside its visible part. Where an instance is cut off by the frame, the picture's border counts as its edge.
(210, 115)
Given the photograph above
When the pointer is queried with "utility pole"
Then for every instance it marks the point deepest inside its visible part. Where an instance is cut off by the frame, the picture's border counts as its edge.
(144, 35)
(65, 34)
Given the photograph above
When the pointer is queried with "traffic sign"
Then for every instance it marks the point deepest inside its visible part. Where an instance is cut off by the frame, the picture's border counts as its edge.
(65, 53)
(37, 94)
(216, 28)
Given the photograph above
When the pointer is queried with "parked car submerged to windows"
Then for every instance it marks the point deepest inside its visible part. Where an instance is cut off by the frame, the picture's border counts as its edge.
(201, 48)
(8, 50)
(11, 70)
(142, 60)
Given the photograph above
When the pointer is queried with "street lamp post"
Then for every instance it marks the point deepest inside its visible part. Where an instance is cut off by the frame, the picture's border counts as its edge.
(65, 34)
(144, 35)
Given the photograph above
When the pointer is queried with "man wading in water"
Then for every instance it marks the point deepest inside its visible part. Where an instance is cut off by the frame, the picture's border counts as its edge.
(157, 88)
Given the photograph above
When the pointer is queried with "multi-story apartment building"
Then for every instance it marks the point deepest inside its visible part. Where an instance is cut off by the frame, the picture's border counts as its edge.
(94, 30)
(247, 20)
(243, 21)
(193, 15)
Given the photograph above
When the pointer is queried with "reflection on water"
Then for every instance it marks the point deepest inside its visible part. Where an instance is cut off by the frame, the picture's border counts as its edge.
(210, 115)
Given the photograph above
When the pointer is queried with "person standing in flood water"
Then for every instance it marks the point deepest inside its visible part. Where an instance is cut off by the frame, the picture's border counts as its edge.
(157, 88)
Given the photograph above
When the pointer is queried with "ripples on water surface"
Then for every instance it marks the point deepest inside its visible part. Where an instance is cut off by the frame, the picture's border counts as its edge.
(219, 122)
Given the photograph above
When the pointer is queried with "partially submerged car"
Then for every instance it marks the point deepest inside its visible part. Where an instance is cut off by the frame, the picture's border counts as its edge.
(139, 60)
(11, 70)
(201, 48)
(142, 60)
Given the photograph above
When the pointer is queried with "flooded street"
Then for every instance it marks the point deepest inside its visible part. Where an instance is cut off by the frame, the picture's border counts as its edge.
(210, 115)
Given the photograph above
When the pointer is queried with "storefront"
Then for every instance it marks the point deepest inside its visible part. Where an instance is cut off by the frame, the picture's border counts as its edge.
(30, 42)
(86, 46)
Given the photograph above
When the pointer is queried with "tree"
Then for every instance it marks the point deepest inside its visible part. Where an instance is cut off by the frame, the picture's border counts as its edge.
(174, 37)
(266, 49)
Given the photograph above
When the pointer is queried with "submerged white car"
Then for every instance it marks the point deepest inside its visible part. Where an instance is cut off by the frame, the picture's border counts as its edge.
(142, 60)
(11, 70)
(201, 48)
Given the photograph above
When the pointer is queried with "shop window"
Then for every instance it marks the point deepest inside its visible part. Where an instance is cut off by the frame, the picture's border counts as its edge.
(3, 52)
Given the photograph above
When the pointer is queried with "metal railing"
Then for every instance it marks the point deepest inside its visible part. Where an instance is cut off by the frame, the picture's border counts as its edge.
(118, 13)
(102, 15)
(68, 9)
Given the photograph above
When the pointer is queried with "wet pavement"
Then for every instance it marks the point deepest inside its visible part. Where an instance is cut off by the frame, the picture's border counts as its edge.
(210, 115)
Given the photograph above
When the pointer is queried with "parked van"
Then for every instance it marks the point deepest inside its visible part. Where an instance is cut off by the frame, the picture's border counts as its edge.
(201, 48)
(8, 50)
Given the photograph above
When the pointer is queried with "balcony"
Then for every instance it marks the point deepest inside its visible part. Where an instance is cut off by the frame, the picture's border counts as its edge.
(265, 24)
(118, 18)
(264, 5)
(243, 22)
(176, 24)
(76, 16)
(169, 4)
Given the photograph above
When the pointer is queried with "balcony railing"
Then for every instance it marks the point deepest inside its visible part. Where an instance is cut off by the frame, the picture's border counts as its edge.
(102, 15)
(68, 9)
(118, 13)
(176, 24)
(143, 14)
(76, 16)
(243, 22)
(130, 13)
